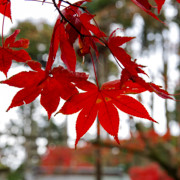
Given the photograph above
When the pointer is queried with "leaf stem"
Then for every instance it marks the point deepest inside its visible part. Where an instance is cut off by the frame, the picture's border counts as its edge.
(114, 56)
(97, 83)
(67, 2)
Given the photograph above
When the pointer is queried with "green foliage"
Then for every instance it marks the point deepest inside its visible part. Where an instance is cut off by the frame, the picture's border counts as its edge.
(18, 174)
(97, 5)
(39, 35)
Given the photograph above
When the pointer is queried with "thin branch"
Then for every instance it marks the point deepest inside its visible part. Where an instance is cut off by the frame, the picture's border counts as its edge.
(3, 26)
(40, 1)
(67, 2)
(63, 17)
(94, 70)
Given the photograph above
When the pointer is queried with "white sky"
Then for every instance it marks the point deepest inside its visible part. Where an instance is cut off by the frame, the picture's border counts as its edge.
(34, 11)
(22, 10)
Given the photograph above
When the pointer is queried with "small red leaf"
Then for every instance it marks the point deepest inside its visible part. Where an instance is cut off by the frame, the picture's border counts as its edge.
(85, 118)
(5, 8)
(21, 43)
(159, 4)
(50, 96)
(54, 45)
(85, 20)
(24, 96)
(7, 54)
(25, 79)
(159, 91)
(71, 106)
(118, 40)
(34, 65)
(131, 106)
(145, 6)
(11, 39)
(120, 54)
(68, 54)
(108, 116)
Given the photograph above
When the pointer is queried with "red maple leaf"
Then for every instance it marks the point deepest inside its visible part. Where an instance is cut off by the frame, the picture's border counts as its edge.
(131, 69)
(127, 78)
(61, 38)
(114, 42)
(80, 26)
(8, 53)
(51, 86)
(159, 3)
(103, 102)
(147, 7)
(5, 8)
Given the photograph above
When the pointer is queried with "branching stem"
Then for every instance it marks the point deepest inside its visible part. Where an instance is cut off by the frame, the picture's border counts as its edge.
(63, 17)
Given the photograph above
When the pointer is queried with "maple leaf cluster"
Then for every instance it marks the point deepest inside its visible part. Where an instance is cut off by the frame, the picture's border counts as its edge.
(76, 24)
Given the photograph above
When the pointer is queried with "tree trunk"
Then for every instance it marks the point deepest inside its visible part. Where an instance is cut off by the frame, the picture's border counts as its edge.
(98, 155)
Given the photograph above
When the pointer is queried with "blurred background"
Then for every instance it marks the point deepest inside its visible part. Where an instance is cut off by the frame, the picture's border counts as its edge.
(33, 148)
